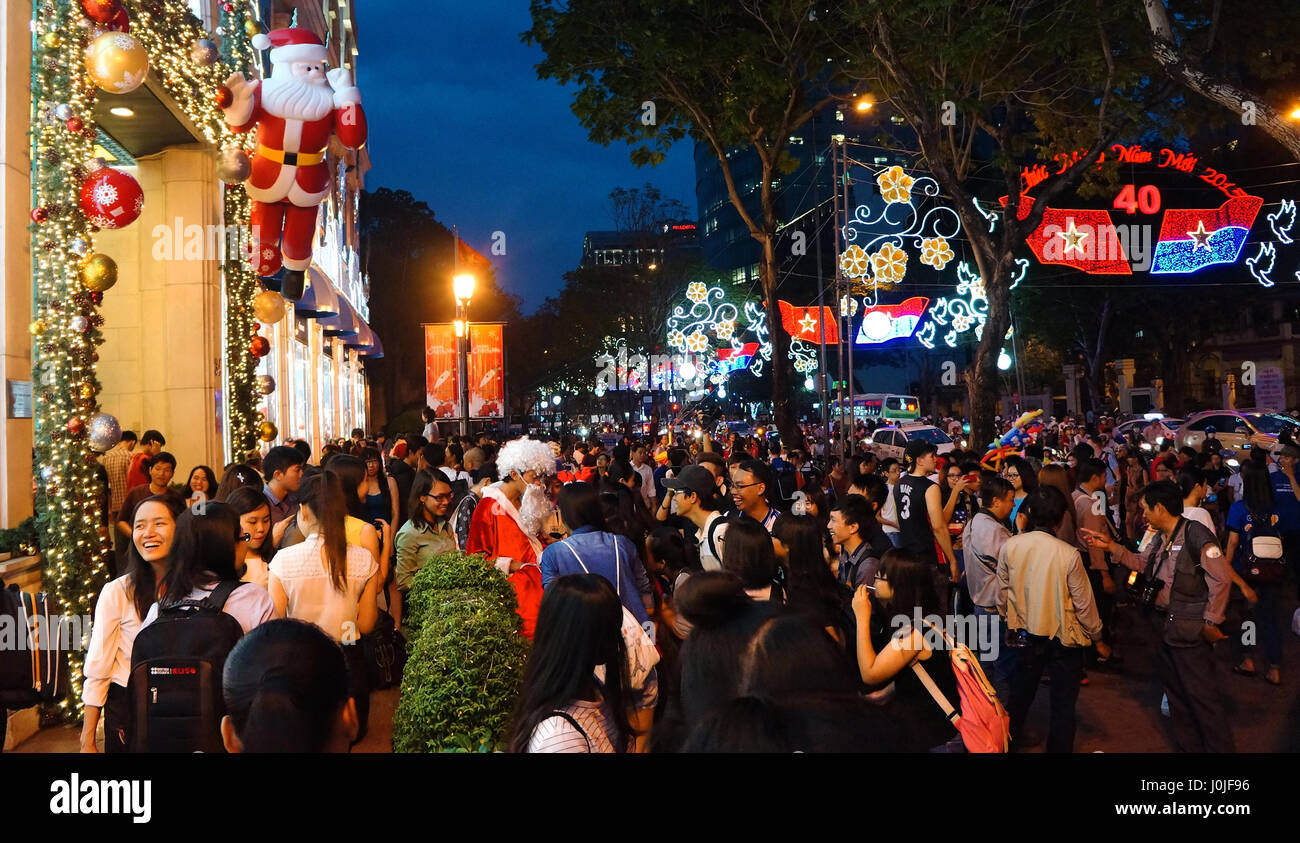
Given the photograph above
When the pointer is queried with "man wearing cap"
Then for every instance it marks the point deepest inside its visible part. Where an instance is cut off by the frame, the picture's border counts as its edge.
(693, 494)
(920, 513)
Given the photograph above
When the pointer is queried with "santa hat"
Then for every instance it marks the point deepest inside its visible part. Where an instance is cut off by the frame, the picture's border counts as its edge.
(290, 45)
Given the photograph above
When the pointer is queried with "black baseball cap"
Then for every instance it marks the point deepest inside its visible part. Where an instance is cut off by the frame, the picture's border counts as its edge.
(693, 478)
(917, 448)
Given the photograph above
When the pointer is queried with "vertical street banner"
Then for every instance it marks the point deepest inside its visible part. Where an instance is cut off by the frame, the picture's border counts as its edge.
(442, 388)
(486, 371)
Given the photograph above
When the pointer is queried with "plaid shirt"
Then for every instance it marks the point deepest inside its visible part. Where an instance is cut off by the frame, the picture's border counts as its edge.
(116, 462)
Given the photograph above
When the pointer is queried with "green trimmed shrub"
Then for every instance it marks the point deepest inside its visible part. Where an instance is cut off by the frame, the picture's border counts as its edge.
(464, 668)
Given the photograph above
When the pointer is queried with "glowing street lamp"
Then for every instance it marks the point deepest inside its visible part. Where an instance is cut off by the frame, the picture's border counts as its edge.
(864, 103)
(462, 288)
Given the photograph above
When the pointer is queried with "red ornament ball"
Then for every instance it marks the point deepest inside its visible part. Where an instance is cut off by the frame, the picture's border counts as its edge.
(76, 425)
(40, 215)
(224, 97)
(101, 11)
(259, 347)
(111, 198)
(227, 7)
(75, 124)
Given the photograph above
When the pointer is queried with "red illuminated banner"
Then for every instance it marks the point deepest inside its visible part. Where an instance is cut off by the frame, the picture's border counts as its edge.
(801, 323)
(442, 388)
(486, 371)
(1079, 238)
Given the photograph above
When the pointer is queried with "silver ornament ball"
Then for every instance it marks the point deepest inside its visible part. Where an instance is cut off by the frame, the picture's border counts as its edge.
(47, 473)
(79, 323)
(233, 165)
(104, 432)
(63, 111)
(80, 246)
(265, 384)
(203, 52)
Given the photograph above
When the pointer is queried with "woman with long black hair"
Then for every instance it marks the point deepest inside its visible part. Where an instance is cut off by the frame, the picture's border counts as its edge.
(812, 588)
(577, 693)
(119, 613)
(327, 579)
(886, 649)
(206, 551)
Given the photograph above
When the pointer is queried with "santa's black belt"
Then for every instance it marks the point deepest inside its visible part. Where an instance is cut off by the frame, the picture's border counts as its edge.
(293, 159)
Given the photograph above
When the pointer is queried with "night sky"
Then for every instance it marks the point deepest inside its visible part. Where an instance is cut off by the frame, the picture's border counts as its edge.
(485, 143)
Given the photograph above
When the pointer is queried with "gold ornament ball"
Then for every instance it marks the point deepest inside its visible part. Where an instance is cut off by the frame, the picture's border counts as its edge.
(117, 62)
(252, 27)
(51, 40)
(98, 273)
(267, 431)
(268, 307)
(87, 390)
(37, 327)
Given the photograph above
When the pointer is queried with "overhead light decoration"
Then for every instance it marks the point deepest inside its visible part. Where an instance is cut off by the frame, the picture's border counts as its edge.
(884, 322)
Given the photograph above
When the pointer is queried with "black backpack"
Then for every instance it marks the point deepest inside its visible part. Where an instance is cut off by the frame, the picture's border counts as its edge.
(176, 664)
(33, 666)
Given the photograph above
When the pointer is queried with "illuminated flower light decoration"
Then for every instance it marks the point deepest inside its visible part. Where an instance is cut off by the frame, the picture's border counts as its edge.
(936, 252)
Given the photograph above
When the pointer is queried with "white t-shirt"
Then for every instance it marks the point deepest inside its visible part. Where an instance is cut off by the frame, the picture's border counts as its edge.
(890, 510)
(647, 483)
(453, 475)
(249, 604)
(311, 594)
(708, 561)
(1200, 516)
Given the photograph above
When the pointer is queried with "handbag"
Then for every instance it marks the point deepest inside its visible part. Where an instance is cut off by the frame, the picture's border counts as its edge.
(384, 652)
(642, 655)
(1264, 563)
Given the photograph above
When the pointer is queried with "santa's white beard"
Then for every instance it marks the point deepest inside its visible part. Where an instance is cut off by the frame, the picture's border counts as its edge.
(292, 99)
(534, 509)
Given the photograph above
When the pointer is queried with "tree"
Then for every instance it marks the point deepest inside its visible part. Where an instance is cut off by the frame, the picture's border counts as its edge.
(408, 255)
(644, 209)
(1239, 62)
(727, 73)
(1014, 77)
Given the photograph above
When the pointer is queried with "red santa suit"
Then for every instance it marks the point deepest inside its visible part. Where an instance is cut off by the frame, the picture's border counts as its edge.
(289, 177)
(496, 530)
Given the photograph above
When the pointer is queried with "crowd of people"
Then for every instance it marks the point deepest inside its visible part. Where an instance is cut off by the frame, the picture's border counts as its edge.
(695, 595)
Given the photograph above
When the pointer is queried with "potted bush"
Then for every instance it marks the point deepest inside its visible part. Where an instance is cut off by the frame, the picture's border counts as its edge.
(464, 667)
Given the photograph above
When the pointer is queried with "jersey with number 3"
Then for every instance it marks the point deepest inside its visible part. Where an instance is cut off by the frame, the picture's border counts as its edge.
(914, 531)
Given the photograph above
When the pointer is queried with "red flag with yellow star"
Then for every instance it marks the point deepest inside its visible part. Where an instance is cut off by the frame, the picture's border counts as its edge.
(802, 323)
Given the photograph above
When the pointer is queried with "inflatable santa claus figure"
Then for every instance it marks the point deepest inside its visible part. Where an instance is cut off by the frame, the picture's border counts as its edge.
(295, 112)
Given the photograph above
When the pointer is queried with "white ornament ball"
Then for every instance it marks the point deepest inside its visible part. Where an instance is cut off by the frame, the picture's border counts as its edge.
(104, 432)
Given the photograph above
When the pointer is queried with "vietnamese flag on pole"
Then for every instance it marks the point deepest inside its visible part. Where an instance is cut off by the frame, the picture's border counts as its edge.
(801, 323)
(1191, 239)
(468, 259)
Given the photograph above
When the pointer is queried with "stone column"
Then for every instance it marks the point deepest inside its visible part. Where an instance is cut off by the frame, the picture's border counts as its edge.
(1124, 369)
(1073, 374)
(15, 256)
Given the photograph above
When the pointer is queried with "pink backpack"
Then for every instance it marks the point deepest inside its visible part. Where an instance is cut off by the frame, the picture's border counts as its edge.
(983, 723)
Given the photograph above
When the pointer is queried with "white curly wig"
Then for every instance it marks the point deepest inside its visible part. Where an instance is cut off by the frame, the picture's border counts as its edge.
(525, 454)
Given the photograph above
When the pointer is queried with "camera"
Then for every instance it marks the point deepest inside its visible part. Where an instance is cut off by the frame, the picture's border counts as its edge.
(1145, 589)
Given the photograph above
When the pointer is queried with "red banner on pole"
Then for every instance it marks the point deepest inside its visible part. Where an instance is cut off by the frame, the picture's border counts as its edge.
(442, 388)
(486, 371)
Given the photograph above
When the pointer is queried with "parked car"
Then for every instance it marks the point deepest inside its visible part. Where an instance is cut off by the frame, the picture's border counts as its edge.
(1238, 430)
(890, 441)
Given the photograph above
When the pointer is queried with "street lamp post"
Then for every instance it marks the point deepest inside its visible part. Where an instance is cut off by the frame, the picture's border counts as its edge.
(463, 289)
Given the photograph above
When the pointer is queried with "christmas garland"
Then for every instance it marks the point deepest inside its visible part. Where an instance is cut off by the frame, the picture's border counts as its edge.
(70, 279)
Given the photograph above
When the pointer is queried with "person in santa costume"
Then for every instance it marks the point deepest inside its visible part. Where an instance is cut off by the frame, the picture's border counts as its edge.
(507, 523)
(295, 110)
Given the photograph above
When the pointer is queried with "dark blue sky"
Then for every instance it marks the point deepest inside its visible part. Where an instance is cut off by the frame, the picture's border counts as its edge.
(458, 117)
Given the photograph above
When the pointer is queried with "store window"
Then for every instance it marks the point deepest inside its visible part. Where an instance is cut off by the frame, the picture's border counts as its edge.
(300, 406)
(266, 366)
(360, 396)
(327, 392)
(345, 394)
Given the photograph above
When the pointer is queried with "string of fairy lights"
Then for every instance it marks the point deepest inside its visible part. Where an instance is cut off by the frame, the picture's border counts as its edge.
(82, 50)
